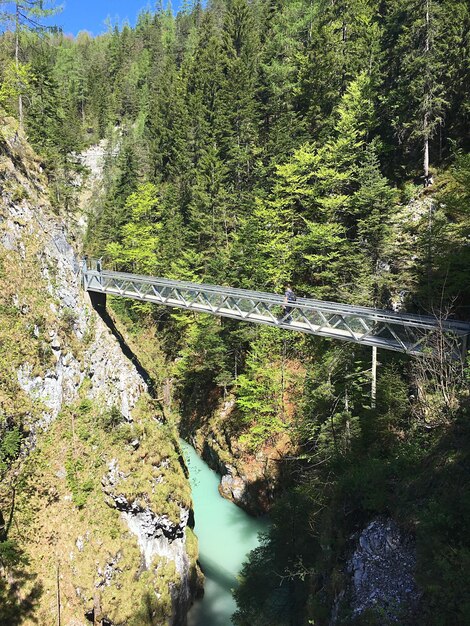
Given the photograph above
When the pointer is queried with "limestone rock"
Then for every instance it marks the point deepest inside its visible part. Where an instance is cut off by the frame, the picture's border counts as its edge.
(232, 486)
(81, 349)
(381, 571)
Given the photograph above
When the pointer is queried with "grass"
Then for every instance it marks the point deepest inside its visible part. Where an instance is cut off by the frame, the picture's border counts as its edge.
(59, 497)
(61, 500)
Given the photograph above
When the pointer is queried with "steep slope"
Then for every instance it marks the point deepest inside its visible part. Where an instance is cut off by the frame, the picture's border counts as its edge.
(96, 500)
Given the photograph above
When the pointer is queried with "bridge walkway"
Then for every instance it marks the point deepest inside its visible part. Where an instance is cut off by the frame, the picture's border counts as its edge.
(402, 332)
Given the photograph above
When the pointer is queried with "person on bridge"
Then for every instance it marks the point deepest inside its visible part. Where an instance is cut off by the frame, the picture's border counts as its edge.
(289, 297)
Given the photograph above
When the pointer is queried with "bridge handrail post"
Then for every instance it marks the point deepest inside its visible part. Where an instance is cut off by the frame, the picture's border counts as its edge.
(99, 269)
(84, 270)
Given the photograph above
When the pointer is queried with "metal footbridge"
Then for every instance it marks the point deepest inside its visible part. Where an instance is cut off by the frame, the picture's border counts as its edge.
(412, 334)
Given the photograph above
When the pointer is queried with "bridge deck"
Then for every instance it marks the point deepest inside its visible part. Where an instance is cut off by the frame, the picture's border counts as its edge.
(374, 327)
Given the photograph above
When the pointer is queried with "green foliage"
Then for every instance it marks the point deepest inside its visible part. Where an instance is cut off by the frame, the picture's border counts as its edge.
(272, 590)
(325, 255)
(445, 256)
(138, 249)
(419, 41)
(260, 403)
(10, 554)
(80, 488)
(254, 144)
(203, 360)
(111, 418)
(372, 207)
(15, 81)
(260, 391)
(443, 529)
(9, 445)
(10, 442)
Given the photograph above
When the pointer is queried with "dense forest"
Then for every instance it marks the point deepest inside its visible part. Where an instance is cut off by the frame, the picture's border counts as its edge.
(321, 143)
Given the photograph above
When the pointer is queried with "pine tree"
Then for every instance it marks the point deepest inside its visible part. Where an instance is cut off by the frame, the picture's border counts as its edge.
(24, 15)
(107, 225)
(344, 42)
(372, 207)
(283, 35)
(238, 116)
(138, 249)
(415, 74)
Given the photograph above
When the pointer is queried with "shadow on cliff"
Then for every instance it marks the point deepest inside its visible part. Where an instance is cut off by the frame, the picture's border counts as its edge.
(99, 304)
(15, 604)
(19, 592)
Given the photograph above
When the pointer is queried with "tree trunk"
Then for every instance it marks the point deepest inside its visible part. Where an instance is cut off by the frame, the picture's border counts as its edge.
(97, 614)
(3, 534)
(17, 63)
(58, 594)
(426, 96)
(373, 391)
(426, 149)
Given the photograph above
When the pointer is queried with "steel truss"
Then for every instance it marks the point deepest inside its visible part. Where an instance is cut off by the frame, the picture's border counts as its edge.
(412, 334)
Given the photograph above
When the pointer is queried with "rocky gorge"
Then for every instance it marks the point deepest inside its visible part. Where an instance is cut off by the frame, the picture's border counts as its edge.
(99, 495)
(104, 488)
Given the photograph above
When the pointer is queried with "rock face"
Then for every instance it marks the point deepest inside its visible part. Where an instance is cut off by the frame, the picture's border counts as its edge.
(93, 158)
(251, 484)
(233, 487)
(113, 377)
(84, 358)
(249, 480)
(382, 574)
(155, 533)
(157, 536)
(90, 186)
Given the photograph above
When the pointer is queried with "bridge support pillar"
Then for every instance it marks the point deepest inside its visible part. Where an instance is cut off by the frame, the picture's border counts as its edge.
(98, 300)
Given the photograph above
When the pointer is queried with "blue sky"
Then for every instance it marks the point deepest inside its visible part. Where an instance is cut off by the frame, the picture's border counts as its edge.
(91, 14)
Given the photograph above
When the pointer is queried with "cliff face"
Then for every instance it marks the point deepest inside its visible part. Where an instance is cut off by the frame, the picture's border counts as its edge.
(98, 497)
(249, 479)
(380, 577)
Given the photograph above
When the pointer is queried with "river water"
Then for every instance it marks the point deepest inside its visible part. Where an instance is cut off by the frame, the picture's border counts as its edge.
(226, 534)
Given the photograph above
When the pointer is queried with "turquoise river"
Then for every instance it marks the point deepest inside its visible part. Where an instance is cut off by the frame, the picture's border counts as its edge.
(226, 534)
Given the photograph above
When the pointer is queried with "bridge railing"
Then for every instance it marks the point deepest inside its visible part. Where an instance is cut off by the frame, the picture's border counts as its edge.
(412, 334)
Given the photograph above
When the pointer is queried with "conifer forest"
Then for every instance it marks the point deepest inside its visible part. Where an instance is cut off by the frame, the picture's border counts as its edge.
(323, 144)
